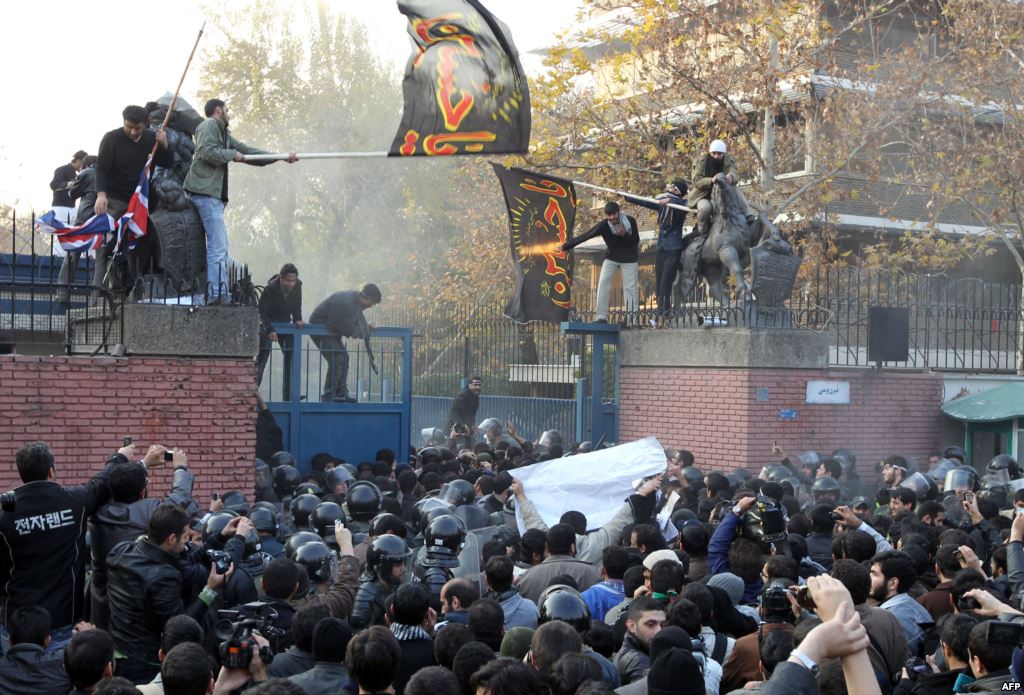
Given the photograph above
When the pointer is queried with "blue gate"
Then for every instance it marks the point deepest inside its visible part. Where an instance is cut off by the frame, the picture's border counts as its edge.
(381, 418)
(597, 398)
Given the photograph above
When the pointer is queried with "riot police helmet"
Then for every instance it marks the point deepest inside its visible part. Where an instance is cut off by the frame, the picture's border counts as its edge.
(286, 477)
(336, 476)
(301, 507)
(386, 522)
(264, 519)
(322, 519)
(282, 458)
(443, 540)
(825, 486)
(234, 501)
(308, 488)
(384, 554)
(298, 539)
(363, 500)
(961, 478)
(215, 523)
(457, 492)
(955, 452)
(319, 561)
(490, 426)
(563, 603)
(1007, 463)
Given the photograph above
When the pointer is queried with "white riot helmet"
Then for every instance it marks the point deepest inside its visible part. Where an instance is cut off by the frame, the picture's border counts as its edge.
(718, 146)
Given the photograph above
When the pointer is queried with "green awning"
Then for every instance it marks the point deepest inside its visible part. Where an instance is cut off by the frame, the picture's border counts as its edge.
(1004, 402)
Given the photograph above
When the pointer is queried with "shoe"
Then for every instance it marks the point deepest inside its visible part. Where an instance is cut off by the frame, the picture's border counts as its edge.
(601, 321)
(345, 399)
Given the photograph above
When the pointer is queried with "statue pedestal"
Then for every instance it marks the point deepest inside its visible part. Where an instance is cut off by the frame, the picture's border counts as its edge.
(725, 346)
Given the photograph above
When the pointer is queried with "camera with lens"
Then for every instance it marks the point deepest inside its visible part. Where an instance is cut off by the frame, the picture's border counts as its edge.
(775, 604)
(235, 628)
(7, 500)
(220, 560)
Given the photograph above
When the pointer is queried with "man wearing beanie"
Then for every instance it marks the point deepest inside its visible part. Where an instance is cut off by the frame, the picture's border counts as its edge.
(330, 640)
(675, 672)
(715, 165)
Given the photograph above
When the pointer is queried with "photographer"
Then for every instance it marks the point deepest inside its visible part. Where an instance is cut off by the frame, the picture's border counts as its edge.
(954, 632)
(145, 589)
(776, 610)
(127, 516)
(42, 541)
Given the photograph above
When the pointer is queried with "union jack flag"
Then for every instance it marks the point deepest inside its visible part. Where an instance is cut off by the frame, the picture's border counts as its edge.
(85, 237)
(135, 220)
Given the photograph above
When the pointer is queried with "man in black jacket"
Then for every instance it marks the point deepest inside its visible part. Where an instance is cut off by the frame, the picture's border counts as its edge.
(280, 302)
(63, 176)
(42, 540)
(463, 411)
(145, 588)
(342, 315)
(622, 239)
(28, 667)
(670, 238)
(126, 517)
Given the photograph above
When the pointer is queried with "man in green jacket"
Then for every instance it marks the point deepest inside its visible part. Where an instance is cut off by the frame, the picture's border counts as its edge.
(716, 164)
(207, 186)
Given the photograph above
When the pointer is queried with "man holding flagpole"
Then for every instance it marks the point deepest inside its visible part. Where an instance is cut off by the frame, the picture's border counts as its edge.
(207, 186)
(121, 157)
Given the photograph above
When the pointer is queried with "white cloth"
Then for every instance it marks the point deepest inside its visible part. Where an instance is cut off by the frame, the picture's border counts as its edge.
(629, 286)
(595, 484)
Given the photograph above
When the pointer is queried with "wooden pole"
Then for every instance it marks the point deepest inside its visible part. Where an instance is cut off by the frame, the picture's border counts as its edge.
(174, 99)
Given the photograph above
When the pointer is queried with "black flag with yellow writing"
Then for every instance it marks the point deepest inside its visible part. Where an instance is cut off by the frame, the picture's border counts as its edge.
(464, 89)
(541, 214)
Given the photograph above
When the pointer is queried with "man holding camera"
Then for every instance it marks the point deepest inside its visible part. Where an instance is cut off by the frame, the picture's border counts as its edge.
(145, 588)
(462, 415)
(42, 540)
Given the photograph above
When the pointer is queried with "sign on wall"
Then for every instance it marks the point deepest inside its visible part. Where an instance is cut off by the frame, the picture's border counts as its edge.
(828, 392)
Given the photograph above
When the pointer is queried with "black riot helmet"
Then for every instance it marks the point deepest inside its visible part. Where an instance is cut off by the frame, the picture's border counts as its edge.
(301, 507)
(472, 516)
(1007, 463)
(296, 540)
(215, 523)
(955, 452)
(694, 477)
(560, 602)
(443, 540)
(336, 476)
(457, 492)
(286, 477)
(923, 486)
(551, 438)
(264, 519)
(825, 487)
(387, 523)
(323, 517)
(308, 488)
(363, 500)
(961, 478)
(319, 561)
(428, 508)
(282, 458)
(234, 501)
(384, 554)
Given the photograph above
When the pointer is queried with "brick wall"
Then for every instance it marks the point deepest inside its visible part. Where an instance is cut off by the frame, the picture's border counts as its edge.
(83, 406)
(715, 413)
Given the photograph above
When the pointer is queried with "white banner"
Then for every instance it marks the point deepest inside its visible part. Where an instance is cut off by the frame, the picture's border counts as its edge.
(596, 483)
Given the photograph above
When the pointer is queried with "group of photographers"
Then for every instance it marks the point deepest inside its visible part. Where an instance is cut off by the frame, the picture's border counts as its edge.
(413, 577)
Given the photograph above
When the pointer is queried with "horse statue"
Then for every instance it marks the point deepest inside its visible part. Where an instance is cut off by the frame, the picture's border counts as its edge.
(724, 251)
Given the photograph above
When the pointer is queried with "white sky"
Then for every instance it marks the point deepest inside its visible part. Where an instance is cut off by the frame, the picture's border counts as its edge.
(70, 66)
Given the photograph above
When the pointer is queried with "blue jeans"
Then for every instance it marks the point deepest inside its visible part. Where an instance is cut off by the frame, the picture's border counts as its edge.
(211, 212)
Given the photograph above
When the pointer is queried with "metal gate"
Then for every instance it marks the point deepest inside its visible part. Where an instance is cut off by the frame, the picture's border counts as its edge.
(353, 431)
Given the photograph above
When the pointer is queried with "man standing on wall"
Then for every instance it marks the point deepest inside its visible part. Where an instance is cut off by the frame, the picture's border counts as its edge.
(622, 239)
(207, 186)
(63, 176)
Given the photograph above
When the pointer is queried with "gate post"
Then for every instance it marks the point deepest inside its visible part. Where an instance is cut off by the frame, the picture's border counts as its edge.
(604, 416)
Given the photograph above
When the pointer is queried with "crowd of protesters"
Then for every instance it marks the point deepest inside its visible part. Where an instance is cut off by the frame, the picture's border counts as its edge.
(409, 574)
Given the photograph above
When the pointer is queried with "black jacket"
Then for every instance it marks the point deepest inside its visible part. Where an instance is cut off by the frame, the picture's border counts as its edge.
(120, 161)
(28, 668)
(42, 546)
(930, 684)
(144, 587)
(621, 249)
(62, 176)
(463, 411)
(84, 191)
(290, 663)
(276, 306)
(416, 654)
(341, 313)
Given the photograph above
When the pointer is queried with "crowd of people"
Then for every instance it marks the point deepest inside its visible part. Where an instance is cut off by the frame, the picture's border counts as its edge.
(434, 573)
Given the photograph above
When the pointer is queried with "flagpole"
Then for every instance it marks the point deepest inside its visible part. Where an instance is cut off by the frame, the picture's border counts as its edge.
(313, 155)
(631, 195)
(174, 99)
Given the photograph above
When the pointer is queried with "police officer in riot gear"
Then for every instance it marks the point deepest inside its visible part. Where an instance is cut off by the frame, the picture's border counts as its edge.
(362, 502)
(265, 521)
(322, 520)
(826, 491)
(301, 507)
(443, 540)
(385, 569)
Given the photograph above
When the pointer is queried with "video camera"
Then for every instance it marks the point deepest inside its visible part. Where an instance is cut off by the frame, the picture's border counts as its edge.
(236, 627)
(997, 632)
